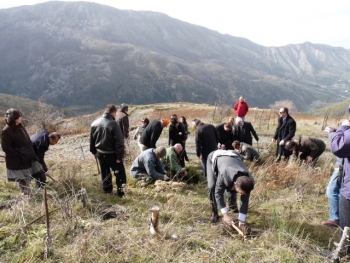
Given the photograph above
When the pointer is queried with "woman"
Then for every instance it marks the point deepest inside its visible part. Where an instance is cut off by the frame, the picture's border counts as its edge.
(139, 131)
(21, 160)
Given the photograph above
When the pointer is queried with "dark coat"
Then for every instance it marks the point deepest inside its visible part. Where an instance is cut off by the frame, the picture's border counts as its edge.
(12, 139)
(225, 137)
(174, 136)
(244, 133)
(309, 146)
(41, 143)
(122, 119)
(284, 131)
(207, 140)
(151, 134)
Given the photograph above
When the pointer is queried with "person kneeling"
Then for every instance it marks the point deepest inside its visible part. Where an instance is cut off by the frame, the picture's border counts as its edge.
(172, 162)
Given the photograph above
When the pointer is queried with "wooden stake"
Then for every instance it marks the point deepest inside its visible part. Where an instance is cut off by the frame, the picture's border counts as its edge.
(342, 246)
(239, 230)
(48, 247)
(154, 220)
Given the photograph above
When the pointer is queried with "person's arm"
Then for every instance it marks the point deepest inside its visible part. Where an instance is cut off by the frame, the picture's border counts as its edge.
(174, 165)
(42, 146)
(150, 166)
(155, 135)
(312, 146)
(6, 145)
(118, 141)
(340, 145)
(126, 126)
(254, 132)
(92, 142)
(198, 143)
(291, 131)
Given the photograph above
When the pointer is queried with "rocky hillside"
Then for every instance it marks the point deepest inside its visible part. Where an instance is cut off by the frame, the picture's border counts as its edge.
(83, 55)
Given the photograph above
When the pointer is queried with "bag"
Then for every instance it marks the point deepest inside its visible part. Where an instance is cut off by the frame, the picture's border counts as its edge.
(27, 154)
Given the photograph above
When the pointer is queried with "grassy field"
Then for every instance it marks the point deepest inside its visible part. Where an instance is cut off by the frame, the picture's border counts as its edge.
(286, 209)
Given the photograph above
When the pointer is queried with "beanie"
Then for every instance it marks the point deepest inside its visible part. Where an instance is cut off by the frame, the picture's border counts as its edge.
(160, 151)
(166, 122)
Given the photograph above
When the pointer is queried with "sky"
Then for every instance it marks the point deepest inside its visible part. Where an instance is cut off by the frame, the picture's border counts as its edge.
(265, 22)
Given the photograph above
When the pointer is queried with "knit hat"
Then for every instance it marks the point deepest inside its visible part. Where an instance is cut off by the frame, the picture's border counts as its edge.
(166, 122)
(160, 151)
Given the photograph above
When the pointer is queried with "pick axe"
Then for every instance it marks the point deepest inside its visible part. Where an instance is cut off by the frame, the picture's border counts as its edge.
(98, 168)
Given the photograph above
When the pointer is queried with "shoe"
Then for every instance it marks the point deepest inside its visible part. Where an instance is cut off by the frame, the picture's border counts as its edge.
(120, 193)
(331, 223)
(214, 218)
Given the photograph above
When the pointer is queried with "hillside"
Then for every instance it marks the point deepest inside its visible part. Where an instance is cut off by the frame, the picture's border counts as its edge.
(81, 56)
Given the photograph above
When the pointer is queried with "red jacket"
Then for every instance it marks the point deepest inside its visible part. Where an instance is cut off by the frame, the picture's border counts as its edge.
(241, 108)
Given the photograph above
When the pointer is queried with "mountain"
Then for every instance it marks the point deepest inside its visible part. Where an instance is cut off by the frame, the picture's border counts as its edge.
(81, 55)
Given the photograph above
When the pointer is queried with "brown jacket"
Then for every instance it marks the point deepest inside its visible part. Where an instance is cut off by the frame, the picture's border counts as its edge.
(13, 138)
(122, 119)
(308, 145)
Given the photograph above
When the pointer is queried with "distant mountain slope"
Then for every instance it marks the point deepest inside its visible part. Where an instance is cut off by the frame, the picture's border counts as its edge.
(83, 55)
(339, 109)
(26, 106)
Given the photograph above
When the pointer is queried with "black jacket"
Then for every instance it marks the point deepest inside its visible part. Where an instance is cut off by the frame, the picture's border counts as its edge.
(151, 134)
(41, 143)
(122, 119)
(285, 130)
(225, 137)
(174, 136)
(245, 134)
(106, 135)
(206, 140)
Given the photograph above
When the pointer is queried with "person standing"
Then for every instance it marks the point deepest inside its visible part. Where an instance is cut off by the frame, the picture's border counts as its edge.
(285, 131)
(107, 144)
(226, 171)
(21, 160)
(122, 119)
(241, 108)
(177, 134)
(243, 131)
(139, 130)
(207, 140)
(41, 142)
(152, 132)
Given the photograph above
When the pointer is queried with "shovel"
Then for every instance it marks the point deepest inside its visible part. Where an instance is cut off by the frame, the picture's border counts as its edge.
(98, 168)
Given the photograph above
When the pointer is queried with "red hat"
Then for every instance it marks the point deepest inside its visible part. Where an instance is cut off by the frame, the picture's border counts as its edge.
(166, 122)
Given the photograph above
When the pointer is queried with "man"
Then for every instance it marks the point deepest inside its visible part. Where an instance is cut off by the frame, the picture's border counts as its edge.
(244, 130)
(285, 131)
(122, 119)
(225, 134)
(151, 133)
(241, 108)
(107, 144)
(247, 151)
(147, 165)
(207, 140)
(41, 142)
(226, 171)
(172, 162)
(310, 147)
(177, 134)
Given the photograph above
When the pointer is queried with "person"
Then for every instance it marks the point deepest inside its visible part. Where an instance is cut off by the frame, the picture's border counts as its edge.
(226, 171)
(207, 139)
(151, 133)
(122, 119)
(244, 130)
(241, 108)
(139, 130)
(310, 147)
(185, 125)
(285, 131)
(225, 134)
(172, 164)
(177, 134)
(107, 145)
(231, 120)
(148, 165)
(333, 188)
(21, 160)
(41, 142)
(340, 146)
(247, 151)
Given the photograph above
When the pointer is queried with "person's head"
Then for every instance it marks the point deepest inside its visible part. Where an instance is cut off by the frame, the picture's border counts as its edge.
(183, 119)
(241, 98)
(239, 121)
(236, 145)
(231, 120)
(244, 185)
(290, 145)
(160, 152)
(178, 148)
(144, 122)
(196, 122)
(111, 109)
(124, 107)
(164, 122)
(227, 126)
(54, 137)
(283, 112)
(173, 119)
(13, 117)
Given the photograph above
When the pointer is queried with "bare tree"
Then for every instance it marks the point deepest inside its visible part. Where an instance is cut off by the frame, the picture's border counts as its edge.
(45, 116)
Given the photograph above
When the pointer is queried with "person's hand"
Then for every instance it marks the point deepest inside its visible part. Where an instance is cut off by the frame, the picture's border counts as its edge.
(242, 227)
(227, 219)
(219, 146)
(166, 178)
(345, 123)
(282, 142)
(273, 140)
(118, 161)
(47, 173)
(329, 129)
(309, 159)
(223, 147)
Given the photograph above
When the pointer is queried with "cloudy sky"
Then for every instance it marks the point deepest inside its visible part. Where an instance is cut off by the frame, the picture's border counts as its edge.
(265, 22)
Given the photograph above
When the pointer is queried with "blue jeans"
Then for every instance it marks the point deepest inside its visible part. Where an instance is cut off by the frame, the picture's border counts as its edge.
(204, 166)
(333, 193)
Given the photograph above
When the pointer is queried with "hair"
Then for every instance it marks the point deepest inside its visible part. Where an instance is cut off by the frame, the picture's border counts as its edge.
(228, 125)
(196, 122)
(231, 119)
(289, 145)
(184, 119)
(110, 108)
(145, 120)
(286, 110)
(124, 107)
(238, 119)
(11, 116)
(173, 119)
(245, 183)
(236, 143)
(54, 135)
